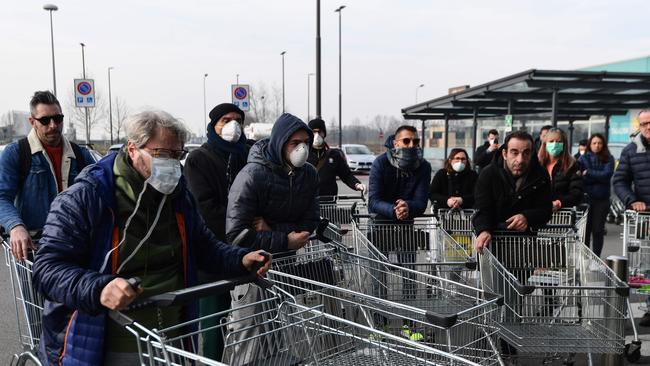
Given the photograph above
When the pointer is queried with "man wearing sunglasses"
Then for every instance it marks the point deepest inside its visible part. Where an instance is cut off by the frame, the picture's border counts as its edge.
(399, 179)
(34, 170)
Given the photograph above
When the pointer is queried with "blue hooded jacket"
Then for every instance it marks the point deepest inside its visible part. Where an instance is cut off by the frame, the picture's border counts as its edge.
(266, 187)
(76, 238)
(388, 184)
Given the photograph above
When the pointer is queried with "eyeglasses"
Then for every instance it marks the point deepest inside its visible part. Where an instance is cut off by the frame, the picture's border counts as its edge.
(45, 120)
(169, 154)
(459, 159)
(407, 141)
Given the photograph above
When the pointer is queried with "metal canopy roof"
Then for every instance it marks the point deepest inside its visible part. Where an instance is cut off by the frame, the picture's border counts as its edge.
(576, 95)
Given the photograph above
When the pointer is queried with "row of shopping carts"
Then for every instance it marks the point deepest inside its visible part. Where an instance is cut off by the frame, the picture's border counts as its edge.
(365, 291)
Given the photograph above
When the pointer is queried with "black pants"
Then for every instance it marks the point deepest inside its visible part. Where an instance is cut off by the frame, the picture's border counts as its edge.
(596, 224)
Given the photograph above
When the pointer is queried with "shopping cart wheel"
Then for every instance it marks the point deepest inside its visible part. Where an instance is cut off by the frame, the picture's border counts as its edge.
(633, 351)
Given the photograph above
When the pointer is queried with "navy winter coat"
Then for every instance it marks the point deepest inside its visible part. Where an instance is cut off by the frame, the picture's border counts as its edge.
(76, 238)
(388, 184)
(597, 180)
(633, 168)
(286, 199)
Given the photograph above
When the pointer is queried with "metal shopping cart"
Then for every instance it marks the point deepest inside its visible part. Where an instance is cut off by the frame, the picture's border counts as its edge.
(28, 304)
(559, 297)
(567, 219)
(339, 209)
(276, 332)
(458, 224)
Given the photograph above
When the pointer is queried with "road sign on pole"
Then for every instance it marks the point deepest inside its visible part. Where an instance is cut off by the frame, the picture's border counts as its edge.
(84, 93)
(508, 122)
(241, 97)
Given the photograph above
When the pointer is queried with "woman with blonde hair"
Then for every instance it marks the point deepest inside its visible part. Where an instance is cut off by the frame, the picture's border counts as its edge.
(566, 180)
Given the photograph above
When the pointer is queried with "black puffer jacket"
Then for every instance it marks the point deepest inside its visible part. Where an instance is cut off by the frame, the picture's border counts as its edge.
(330, 163)
(496, 199)
(286, 199)
(445, 185)
(567, 187)
(483, 157)
(632, 177)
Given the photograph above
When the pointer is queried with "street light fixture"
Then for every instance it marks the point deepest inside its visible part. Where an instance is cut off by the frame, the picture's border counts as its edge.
(205, 107)
(51, 8)
(416, 92)
(282, 54)
(110, 104)
(309, 93)
(338, 10)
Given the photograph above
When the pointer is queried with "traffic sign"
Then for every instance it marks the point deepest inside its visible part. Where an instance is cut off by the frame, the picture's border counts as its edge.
(241, 96)
(84, 93)
(508, 122)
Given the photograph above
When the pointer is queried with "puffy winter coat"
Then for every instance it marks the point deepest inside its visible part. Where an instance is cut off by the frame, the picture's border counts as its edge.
(598, 176)
(77, 236)
(567, 187)
(266, 187)
(445, 185)
(633, 168)
(388, 184)
(496, 199)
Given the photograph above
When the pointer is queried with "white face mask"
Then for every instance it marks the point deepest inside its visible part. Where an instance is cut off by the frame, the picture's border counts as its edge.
(318, 140)
(165, 174)
(298, 157)
(458, 166)
(231, 131)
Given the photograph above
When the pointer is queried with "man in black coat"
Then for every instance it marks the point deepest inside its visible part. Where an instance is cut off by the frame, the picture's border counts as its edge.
(329, 163)
(514, 191)
(485, 153)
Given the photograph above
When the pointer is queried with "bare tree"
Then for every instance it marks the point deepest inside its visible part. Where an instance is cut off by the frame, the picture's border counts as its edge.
(266, 105)
(120, 112)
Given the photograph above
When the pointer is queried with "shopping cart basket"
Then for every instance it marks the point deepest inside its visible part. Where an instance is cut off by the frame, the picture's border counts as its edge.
(559, 296)
(458, 224)
(28, 304)
(339, 209)
(276, 332)
(567, 219)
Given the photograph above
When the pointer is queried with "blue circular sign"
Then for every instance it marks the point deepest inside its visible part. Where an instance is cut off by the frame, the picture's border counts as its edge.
(84, 88)
(240, 92)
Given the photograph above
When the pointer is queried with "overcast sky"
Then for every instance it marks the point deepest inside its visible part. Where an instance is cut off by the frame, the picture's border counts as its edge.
(161, 49)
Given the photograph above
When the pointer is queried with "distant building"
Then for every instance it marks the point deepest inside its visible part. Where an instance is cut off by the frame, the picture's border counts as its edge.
(14, 125)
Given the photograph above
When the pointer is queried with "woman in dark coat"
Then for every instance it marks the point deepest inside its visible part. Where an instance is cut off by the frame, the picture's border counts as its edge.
(453, 185)
(566, 180)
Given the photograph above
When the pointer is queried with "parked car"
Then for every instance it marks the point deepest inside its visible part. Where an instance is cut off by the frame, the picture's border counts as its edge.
(190, 148)
(359, 157)
(114, 148)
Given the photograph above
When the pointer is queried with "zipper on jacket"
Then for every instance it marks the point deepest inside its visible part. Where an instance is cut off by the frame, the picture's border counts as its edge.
(291, 174)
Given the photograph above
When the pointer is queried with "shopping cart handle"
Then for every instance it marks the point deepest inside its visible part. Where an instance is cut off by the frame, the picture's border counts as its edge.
(471, 264)
(489, 296)
(442, 320)
(524, 289)
(320, 230)
(633, 248)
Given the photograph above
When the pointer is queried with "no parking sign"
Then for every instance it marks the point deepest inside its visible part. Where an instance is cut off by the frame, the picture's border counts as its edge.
(84, 92)
(241, 97)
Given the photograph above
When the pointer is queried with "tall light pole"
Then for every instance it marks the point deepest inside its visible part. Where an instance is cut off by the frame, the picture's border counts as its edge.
(416, 92)
(318, 74)
(309, 93)
(205, 107)
(110, 104)
(282, 54)
(83, 66)
(339, 10)
(51, 8)
(237, 80)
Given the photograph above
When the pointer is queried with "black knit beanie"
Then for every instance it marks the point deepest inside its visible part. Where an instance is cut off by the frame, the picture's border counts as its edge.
(222, 109)
(319, 124)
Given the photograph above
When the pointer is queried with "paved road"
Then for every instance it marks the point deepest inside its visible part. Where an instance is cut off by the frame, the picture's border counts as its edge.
(8, 330)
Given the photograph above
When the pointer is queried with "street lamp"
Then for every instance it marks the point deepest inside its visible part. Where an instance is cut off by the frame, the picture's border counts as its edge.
(282, 54)
(338, 10)
(83, 67)
(308, 92)
(416, 92)
(51, 8)
(318, 62)
(205, 107)
(237, 80)
(110, 104)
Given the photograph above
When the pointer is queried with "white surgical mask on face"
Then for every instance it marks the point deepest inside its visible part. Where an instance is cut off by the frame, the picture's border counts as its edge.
(165, 174)
(231, 131)
(458, 166)
(318, 140)
(298, 157)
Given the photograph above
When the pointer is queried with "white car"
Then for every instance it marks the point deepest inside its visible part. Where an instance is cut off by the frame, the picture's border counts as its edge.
(359, 157)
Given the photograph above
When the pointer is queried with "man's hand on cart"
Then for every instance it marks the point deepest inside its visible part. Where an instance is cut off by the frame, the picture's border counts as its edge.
(260, 224)
(297, 239)
(118, 294)
(638, 206)
(557, 205)
(361, 188)
(401, 210)
(517, 222)
(454, 202)
(260, 259)
(482, 241)
(21, 242)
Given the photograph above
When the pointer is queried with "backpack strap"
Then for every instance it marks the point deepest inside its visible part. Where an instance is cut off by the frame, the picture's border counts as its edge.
(24, 159)
(81, 161)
